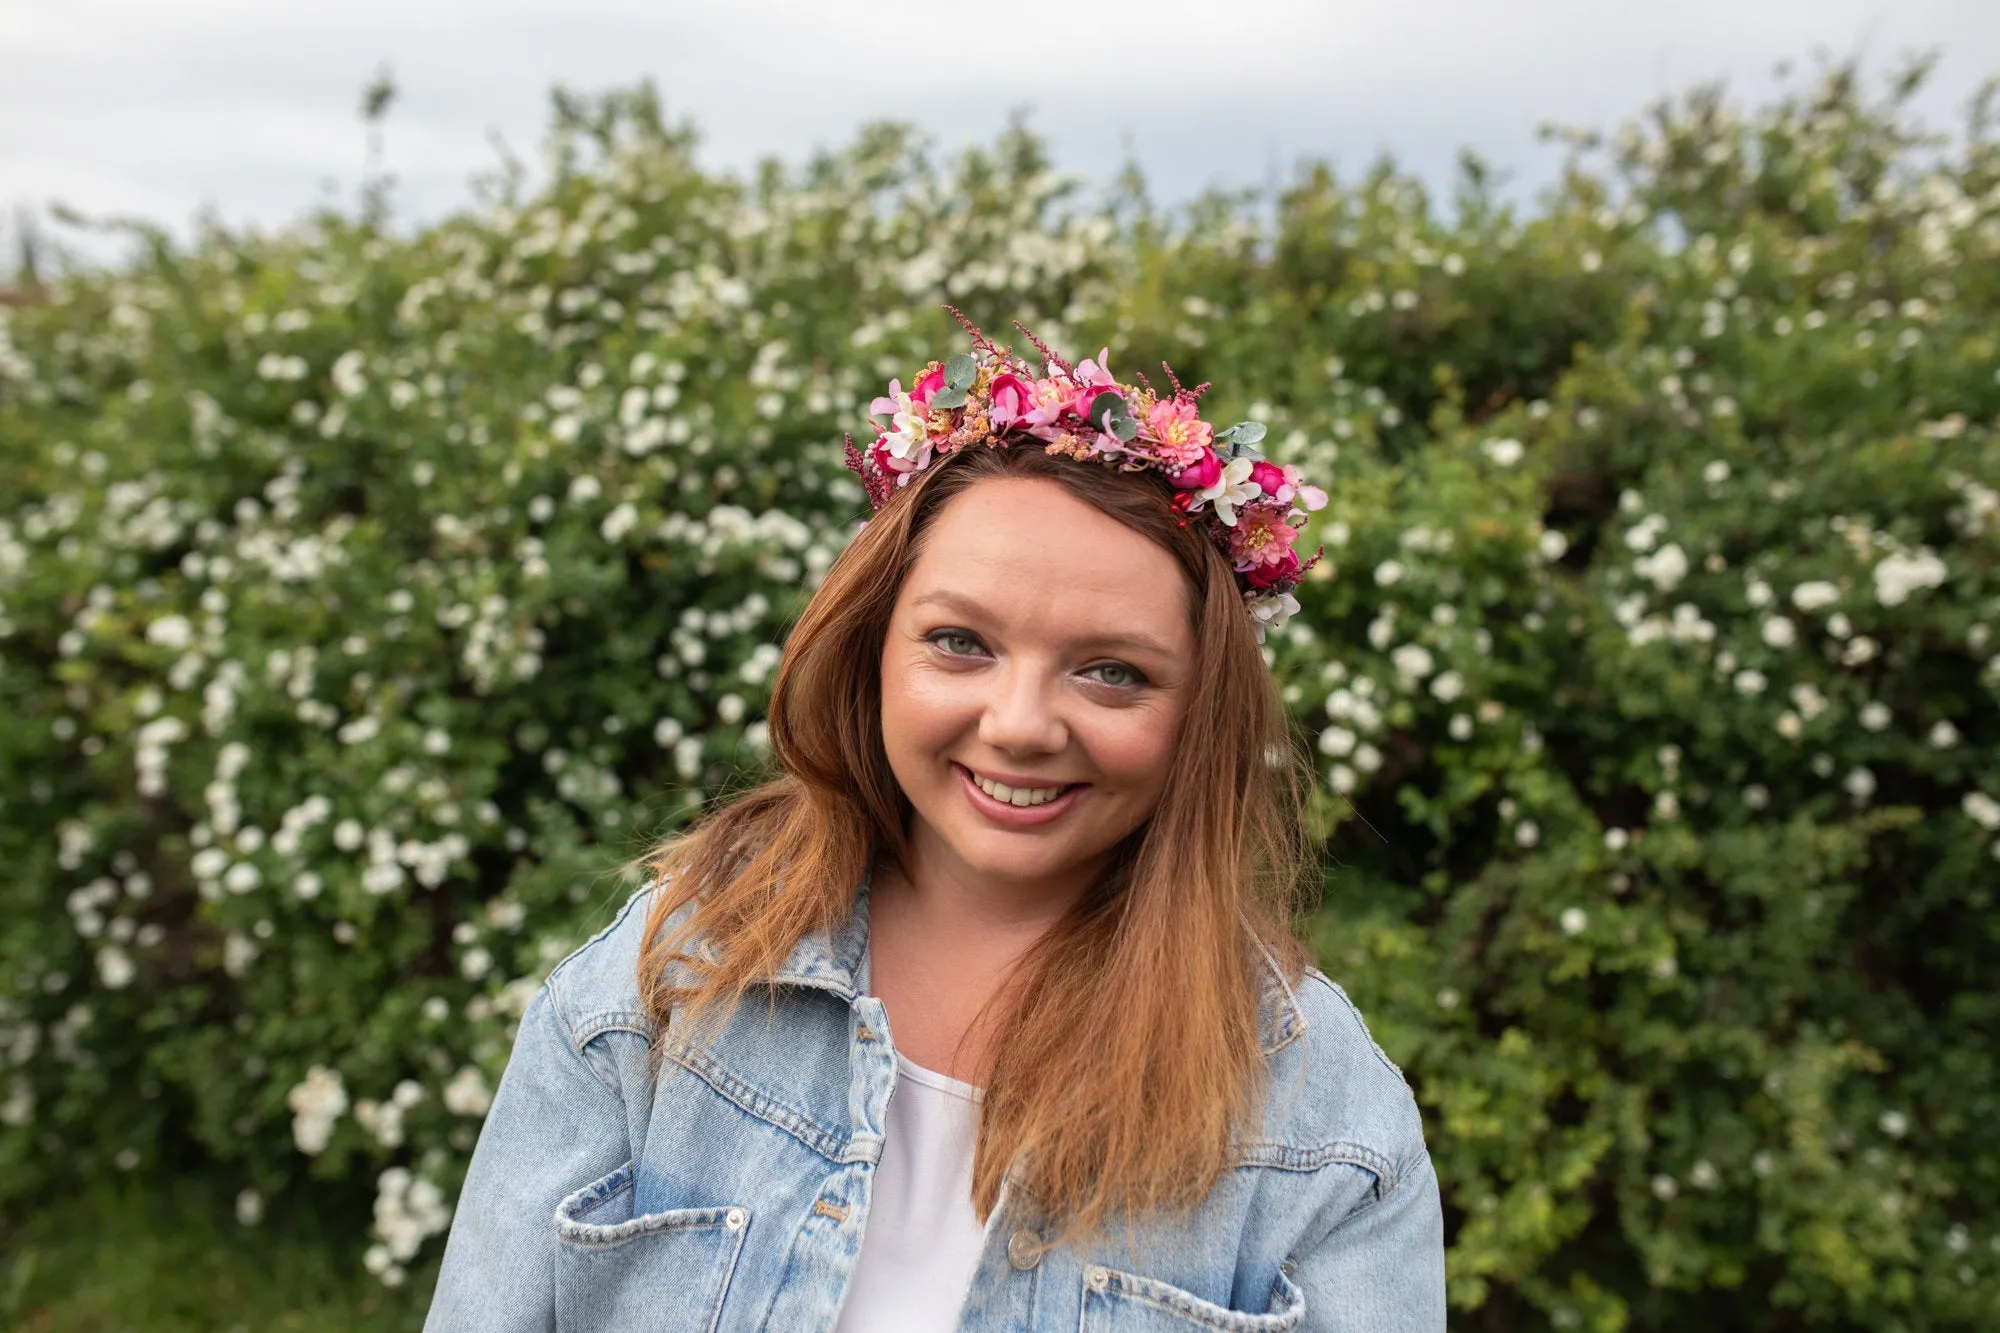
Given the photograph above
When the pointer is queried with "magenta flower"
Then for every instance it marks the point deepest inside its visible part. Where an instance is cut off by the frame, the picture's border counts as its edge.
(1287, 484)
(1010, 401)
(1283, 570)
(1204, 472)
(926, 386)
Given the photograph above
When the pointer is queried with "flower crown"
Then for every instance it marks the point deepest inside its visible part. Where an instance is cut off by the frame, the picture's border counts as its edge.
(1253, 509)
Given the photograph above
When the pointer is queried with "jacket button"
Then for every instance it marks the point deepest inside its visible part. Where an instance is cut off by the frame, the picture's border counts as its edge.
(1024, 1249)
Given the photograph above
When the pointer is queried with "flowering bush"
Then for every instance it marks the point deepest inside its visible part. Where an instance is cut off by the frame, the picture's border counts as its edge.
(366, 601)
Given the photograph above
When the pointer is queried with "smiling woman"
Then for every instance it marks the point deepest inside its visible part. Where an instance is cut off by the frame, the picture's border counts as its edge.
(1034, 1046)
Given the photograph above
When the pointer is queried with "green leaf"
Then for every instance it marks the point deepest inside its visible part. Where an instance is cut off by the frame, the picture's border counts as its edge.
(960, 371)
(1107, 410)
(952, 395)
(1243, 432)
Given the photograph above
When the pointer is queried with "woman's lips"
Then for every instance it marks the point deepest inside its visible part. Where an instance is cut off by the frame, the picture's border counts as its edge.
(1015, 816)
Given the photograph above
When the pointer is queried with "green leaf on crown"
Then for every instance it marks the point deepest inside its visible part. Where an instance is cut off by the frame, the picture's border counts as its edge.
(1108, 413)
(959, 373)
(1243, 432)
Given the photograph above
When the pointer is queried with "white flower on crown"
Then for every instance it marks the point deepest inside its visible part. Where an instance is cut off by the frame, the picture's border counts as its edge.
(906, 441)
(1231, 490)
(1270, 612)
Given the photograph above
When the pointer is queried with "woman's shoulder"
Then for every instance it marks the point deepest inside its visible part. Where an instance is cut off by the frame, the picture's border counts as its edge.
(1334, 1094)
(596, 988)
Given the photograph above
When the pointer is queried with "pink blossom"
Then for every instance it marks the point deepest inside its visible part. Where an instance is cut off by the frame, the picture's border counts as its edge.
(1047, 400)
(1270, 477)
(1010, 399)
(1287, 484)
(1262, 544)
(1097, 371)
(1182, 437)
(1199, 475)
(927, 386)
(1281, 571)
(890, 403)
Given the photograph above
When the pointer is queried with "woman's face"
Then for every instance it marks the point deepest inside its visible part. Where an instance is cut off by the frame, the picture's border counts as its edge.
(1036, 645)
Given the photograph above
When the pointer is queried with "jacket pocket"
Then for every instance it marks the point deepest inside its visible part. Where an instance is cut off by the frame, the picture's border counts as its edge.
(1115, 1302)
(659, 1271)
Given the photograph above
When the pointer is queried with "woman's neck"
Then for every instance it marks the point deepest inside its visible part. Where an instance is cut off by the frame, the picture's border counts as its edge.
(943, 949)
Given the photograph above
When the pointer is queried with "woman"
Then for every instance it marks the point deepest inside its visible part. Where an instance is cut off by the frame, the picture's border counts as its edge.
(985, 1013)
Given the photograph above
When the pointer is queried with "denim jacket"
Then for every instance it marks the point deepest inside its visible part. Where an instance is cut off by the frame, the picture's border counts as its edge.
(731, 1192)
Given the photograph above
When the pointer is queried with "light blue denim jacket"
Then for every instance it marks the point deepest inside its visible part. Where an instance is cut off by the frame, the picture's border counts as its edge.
(731, 1193)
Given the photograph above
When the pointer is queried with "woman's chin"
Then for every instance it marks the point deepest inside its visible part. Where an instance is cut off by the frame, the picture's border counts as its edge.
(1024, 855)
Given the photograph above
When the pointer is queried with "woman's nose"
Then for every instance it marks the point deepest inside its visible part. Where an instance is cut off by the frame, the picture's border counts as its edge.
(1020, 714)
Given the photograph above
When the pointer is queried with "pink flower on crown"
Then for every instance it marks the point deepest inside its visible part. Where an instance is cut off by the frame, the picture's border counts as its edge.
(1283, 571)
(1009, 400)
(927, 386)
(1093, 377)
(1047, 400)
(1262, 544)
(1181, 437)
(1096, 370)
(1199, 475)
(1287, 484)
(1088, 394)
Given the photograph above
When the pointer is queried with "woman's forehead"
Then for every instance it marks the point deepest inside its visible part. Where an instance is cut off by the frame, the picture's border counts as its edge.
(1030, 557)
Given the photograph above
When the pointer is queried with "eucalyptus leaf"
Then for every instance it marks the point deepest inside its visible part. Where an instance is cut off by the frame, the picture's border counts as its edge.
(1243, 432)
(960, 371)
(1107, 409)
(948, 397)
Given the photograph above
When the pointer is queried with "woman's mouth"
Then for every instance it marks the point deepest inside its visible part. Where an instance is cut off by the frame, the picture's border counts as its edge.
(1017, 807)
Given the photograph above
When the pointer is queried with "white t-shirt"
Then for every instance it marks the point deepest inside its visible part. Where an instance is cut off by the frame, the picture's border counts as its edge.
(922, 1241)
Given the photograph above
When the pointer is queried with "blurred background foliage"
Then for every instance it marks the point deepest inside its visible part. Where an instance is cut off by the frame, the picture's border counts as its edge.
(368, 598)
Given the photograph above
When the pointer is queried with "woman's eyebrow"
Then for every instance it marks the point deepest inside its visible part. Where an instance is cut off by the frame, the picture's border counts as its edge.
(1130, 641)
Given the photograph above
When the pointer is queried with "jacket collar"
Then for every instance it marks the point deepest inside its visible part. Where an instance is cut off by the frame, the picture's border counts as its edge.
(836, 961)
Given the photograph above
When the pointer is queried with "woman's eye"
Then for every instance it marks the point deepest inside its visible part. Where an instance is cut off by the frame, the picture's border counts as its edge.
(1121, 675)
(950, 639)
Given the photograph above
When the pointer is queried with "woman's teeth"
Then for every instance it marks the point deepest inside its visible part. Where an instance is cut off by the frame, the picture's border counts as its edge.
(1000, 791)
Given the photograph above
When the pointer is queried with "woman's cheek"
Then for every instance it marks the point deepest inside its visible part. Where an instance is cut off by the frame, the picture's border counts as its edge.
(1134, 753)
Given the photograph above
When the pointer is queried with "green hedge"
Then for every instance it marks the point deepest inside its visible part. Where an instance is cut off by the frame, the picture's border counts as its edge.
(366, 599)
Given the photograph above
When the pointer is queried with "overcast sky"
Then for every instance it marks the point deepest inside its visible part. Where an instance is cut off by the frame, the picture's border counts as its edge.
(161, 107)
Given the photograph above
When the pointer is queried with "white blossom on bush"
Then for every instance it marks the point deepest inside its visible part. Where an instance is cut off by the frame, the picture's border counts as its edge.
(317, 1102)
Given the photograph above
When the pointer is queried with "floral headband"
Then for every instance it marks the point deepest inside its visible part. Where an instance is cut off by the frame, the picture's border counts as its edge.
(1253, 509)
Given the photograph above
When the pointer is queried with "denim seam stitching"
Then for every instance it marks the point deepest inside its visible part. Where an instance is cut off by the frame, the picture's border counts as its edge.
(760, 1105)
(1293, 1022)
(614, 1020)
(1362, 1023)
(1344, 1152)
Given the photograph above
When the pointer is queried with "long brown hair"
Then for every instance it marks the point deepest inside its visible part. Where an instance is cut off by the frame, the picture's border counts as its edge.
(1133, 1062)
